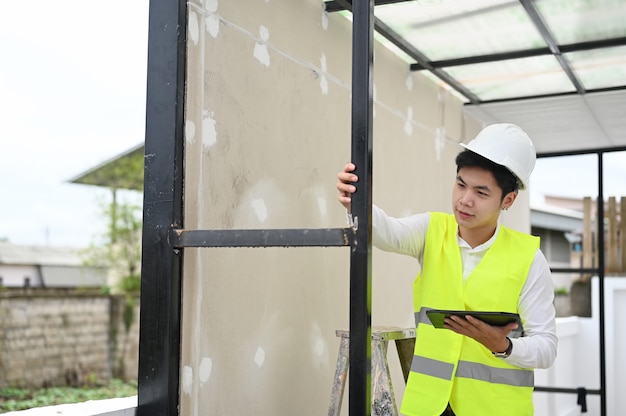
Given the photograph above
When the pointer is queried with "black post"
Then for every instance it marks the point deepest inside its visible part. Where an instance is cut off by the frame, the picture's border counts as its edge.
(601, 272)
(360, 258)
(159, 333)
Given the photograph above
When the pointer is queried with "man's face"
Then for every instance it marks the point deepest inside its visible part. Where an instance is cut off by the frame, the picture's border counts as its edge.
(477, 199)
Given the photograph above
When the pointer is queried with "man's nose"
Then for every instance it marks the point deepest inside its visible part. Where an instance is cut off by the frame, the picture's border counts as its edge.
(466, 198)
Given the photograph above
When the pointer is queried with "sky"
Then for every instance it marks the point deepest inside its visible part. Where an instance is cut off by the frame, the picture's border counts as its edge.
(72, 95)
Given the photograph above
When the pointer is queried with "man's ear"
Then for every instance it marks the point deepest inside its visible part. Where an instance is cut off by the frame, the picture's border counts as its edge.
(508, 199)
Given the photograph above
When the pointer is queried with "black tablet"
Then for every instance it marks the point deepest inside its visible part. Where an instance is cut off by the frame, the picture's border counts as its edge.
(437, 316)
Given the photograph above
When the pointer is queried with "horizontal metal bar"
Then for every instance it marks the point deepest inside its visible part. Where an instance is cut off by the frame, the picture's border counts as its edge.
(564, 390)
(335, 6)
(573, 270)
(522, 53)
(554, 95)
(291, 237)
(600, 150)
(481, 59)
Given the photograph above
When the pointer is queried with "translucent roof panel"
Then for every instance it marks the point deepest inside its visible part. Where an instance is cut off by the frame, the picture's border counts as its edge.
(494, 50)
(451, 29)
(575, 21)
(513, 78)
(600, 68)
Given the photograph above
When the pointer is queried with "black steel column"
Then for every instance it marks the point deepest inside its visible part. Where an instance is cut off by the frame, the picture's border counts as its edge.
(601, 272)
(159, 333)
(360, 258)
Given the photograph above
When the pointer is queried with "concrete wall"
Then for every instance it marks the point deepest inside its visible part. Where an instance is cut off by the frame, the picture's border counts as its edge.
(56, 338)
(268, 114)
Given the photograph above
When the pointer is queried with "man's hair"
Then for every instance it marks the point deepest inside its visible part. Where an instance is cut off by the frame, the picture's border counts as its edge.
(504, 178)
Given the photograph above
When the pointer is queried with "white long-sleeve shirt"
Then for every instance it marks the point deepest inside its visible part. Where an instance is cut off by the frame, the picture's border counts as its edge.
(537, 348)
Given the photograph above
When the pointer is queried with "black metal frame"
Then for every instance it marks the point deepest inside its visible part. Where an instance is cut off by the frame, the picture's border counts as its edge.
(159, 332)
(600, 270)
(164, 237)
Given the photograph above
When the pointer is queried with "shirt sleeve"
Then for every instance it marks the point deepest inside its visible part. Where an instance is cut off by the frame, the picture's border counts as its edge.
(399, 235)
(537, 348)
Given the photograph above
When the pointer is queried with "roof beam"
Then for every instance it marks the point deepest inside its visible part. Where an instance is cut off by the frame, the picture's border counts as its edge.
(550, 41)
(414, 53)
(524, 53)
(558, 94)
(337, 6)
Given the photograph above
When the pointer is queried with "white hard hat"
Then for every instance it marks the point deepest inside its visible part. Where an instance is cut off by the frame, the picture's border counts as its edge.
(507, 145)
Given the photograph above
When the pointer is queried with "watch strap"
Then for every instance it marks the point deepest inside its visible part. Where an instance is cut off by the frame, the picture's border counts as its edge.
(506, 352)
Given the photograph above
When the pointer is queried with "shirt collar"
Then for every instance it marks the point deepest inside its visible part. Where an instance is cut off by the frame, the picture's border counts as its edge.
(482, 247)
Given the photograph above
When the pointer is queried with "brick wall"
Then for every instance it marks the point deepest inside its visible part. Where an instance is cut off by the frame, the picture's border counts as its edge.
(56, 337)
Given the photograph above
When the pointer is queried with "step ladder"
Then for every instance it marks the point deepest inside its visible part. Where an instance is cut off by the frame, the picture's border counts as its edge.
(383, 399)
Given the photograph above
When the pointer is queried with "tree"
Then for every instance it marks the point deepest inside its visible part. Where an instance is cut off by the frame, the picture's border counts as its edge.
(119, 250)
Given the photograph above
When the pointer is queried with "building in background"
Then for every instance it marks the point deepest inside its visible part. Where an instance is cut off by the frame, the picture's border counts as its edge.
(48, 267)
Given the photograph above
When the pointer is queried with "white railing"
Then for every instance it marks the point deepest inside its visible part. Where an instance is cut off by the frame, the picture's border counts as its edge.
(578, 359)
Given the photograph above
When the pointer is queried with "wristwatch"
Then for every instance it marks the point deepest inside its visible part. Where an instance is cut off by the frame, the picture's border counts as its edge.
(506, 352)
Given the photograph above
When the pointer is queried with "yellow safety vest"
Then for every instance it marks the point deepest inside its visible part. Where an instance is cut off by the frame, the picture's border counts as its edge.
(451, 368)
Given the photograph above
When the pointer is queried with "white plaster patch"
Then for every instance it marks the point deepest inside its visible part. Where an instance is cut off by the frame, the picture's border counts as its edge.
(319, 348)
(213, 20)
(406, 212)
(409, 82)
(260, 209)
(209, 133)
(323, 80)
(408, 124)
(194, 31)
(213, 25)
(440, 141)
(318, 345)
(187, 380)
(322, 205)
(259, 356)
(190, 131)
(325, 20)
(211, 5)
(260, 49)
(206, 366)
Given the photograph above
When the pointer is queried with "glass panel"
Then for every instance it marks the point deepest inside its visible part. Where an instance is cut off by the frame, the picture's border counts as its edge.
(573, 21)
(614, 174)
(600, 68)
(513, 78)
(453, 29)
(564, 177)
(557, 188)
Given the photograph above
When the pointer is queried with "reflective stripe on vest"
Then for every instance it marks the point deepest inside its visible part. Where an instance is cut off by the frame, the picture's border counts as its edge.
(476, 371)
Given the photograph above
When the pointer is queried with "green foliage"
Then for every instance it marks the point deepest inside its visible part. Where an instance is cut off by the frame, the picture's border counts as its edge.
(119, 249)
(561, 291)
(130, 284)
(12, 399)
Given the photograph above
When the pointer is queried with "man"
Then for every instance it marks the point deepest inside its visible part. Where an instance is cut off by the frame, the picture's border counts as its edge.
(468, 261)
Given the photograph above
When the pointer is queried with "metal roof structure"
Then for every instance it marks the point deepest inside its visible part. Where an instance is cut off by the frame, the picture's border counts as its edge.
(557, 68)
(554, 67)
(124, 171)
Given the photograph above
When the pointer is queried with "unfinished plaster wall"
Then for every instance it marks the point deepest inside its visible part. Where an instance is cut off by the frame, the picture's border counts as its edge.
(268, 114)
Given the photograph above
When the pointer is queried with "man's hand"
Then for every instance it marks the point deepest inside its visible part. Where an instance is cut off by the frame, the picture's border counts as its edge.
(345, 185)
(492, 337)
